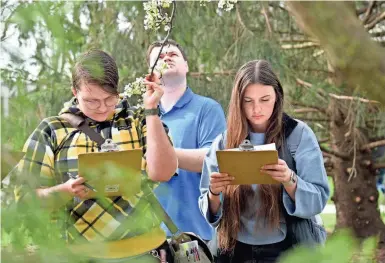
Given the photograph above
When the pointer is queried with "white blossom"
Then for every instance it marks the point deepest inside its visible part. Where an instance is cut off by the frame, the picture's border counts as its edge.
(228, 5)
(135, 88)
(155, 17)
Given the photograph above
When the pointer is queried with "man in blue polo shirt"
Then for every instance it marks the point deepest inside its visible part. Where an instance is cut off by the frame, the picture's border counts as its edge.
(194, 122)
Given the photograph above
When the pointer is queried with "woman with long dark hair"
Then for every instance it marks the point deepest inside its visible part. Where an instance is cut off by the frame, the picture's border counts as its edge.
(250, 220)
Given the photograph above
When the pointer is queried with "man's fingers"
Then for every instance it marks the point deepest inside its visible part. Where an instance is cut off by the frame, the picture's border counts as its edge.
(79, 180)
(78, 188)
(152, 78)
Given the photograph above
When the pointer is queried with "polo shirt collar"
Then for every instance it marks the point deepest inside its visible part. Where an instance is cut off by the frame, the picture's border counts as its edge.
(186, 98)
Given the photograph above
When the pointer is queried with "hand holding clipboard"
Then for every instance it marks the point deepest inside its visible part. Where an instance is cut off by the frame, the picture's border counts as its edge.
(245, 163)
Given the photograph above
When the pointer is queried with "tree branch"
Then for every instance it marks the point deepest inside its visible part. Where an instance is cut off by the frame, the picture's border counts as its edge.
(264, 12)
(342, 97)
(322, 94)
(167, 36)
(334, 153)
(373, 145)
(378, 166)
(341, 34)
(319, 109)
(375, 21)
(305, 110)
(278, 5)
(368, 11)
(290, 40)
(299, 46)
(315, 119)
(240, 19)
(323, 140)
(217, 73)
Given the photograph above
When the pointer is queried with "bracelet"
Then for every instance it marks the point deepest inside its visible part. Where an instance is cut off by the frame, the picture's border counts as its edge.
(150, 112)
(292, 179)
(212, 192)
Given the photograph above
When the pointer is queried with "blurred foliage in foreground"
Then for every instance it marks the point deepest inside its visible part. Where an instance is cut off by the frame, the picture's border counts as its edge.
(30, 233)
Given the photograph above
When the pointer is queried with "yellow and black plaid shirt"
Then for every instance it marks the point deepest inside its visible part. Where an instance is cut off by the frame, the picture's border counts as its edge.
(52, 150)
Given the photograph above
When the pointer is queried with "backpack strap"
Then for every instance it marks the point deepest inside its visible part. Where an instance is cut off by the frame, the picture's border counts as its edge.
(83, 125)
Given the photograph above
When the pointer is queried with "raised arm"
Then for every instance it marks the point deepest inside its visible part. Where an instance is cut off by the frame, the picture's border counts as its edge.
(160, 155)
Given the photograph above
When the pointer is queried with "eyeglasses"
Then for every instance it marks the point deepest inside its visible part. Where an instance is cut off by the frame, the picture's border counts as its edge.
(94, 104)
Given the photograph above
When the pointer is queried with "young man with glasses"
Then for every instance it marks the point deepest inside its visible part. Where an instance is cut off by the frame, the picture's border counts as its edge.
(52, 150)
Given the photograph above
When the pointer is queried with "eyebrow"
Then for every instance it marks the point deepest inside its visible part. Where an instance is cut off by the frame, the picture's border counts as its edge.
(246, 97)
(85, 98)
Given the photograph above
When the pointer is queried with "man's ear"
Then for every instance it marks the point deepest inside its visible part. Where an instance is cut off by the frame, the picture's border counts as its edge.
(187, 69)
(73, 91)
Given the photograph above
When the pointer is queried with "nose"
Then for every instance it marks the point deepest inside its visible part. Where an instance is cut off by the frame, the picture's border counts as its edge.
(256, 108)
(166, 57)
(103, 107)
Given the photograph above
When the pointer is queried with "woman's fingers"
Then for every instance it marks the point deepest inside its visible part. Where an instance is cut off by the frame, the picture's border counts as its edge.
(218, 175)
(273, 167)
(219, 181)
(275, 173)
(225, 179)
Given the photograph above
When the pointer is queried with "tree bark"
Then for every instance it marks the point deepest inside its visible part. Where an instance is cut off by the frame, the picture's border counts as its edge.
(359, 62)
(356, 200)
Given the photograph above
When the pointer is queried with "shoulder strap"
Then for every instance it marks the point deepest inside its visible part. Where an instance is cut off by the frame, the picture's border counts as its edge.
(83, 125)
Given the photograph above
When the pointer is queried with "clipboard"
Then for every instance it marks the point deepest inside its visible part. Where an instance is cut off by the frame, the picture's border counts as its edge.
(245, 164)
(116, 173)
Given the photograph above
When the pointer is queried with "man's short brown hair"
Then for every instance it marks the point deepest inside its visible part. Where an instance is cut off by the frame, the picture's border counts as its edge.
(96, 67)
(168, 42)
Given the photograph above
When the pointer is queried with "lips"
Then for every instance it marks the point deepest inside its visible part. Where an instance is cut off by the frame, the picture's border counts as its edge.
(257, 117)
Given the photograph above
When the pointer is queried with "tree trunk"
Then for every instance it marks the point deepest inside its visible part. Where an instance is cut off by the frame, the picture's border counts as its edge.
(356, 200)
(358, 61)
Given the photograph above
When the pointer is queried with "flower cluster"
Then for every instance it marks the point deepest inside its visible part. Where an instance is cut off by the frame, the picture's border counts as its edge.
(135, 88)
(155, 16)
(227, 5)
(160, 67)
(138, 88)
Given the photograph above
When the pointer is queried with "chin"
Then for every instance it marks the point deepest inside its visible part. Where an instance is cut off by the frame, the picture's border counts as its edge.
(99, 118)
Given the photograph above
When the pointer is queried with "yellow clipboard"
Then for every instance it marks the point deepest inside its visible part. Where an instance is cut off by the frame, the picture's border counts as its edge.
(115, 173)
(245, 165)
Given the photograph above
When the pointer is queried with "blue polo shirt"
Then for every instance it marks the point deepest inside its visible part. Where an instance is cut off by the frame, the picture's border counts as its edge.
(194, 122)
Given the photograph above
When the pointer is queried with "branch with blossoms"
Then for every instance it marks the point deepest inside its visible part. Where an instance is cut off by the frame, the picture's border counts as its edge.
(155, 18)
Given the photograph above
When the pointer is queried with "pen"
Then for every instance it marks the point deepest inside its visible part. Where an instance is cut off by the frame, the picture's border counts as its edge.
(85, 184)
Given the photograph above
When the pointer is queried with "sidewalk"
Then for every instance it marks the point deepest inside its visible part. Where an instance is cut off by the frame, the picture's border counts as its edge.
(331, 209)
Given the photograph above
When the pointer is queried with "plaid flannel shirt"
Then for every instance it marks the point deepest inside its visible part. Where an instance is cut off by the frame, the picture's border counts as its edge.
(52, 150)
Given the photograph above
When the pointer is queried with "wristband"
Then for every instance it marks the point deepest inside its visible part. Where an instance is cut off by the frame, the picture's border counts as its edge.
(150, 112)
(212, 192)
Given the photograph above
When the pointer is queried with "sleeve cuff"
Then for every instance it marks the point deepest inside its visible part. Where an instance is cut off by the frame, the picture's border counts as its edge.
(212, 219)
(304, 205)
